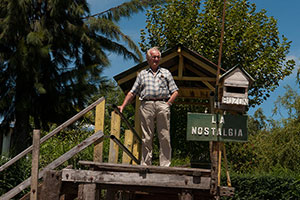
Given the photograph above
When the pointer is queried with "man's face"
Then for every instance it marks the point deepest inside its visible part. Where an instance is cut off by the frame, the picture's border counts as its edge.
(154, 58)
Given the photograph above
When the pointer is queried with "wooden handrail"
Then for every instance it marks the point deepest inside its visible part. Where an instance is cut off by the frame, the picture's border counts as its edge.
(55, 131)
(127, 123)
(87, 142)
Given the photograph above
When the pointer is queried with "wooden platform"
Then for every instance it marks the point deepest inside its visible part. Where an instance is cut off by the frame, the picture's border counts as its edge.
(130, 182)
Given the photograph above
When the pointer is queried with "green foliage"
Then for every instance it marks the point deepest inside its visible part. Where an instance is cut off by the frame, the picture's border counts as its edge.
(14, 175)
(52, 55)
(272, 145)
(251, 38)
(265, 186)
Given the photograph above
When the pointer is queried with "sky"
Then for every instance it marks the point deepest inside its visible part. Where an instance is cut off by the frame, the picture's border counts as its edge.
(286, 12)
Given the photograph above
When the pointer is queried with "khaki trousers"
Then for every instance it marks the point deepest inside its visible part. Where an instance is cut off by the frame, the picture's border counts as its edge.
(159, 112)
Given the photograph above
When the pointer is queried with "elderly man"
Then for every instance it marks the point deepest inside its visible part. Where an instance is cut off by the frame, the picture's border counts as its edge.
(157, 91)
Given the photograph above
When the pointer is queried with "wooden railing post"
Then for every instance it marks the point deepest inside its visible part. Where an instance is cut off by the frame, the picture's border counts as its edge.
(128, 144)
(136, 149)
(99, 126)
(114, 130)
(35, 164)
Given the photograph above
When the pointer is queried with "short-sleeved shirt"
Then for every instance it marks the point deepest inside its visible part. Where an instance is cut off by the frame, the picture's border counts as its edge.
(148, 85)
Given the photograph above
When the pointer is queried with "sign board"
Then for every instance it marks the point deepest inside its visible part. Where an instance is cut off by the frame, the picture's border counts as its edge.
(216, 127)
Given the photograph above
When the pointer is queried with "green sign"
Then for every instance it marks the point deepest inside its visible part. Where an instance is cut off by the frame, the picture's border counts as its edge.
(216, 127)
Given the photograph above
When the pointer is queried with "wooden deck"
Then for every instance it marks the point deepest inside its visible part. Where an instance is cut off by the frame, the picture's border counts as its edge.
(130, 182)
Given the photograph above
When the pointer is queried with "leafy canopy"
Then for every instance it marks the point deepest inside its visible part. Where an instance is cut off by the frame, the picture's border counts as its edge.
(251, 38)
(52, 55)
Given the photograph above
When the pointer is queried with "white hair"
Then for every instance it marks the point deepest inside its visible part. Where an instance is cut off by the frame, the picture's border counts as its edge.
(151, 49)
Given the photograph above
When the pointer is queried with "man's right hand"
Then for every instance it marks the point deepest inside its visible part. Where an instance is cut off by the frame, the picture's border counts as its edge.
(120, 109)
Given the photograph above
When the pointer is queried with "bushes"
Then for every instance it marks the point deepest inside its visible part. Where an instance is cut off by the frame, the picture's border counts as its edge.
(265, 186)
(14, 175)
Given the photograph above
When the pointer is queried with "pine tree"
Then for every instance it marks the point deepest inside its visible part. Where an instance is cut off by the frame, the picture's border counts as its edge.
(52, 54)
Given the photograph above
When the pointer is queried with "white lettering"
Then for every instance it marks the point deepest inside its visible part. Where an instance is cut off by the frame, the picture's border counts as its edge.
(222, 120)
(200, 130)
(219, 131)
(213, 121)
(240, 132)
(206, 131)
(213, 131)
(194, 130)
(230, 132)
(235, 100)
(224, 132)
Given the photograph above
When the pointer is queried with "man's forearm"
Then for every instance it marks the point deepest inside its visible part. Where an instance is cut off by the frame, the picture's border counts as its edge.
(126, 101)
(173, 97)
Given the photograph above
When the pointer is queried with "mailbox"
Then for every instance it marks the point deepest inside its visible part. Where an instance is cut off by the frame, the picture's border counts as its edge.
(233, 89)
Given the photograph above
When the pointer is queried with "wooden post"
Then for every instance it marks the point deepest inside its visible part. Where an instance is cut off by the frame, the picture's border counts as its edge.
(128, 144)
(114, 130)
(35, 165)
(226, 166)
(99, 125)
(86, 191)
(136, 149)
(51, 185)
(186, 195)
(98, 148)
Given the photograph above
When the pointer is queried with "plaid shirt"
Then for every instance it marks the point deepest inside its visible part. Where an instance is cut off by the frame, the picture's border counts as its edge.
(150, 86)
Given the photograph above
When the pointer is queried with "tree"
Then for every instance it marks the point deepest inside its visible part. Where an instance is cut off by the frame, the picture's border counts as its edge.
(52, 54)
(251, 38)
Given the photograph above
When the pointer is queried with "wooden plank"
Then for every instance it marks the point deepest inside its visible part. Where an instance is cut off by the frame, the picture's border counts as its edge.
(144, 179)
(136, 148)
(51, 185)
(215, 148)
(198, 62)
(180, 66)
(87, 191)
(127, 123)
(186, 195)
(148, 169)
(115, 131)
(196, 71)
(35, 165)
(55, 131)
(193, 78)
(227, 191)
(128, 144)
(99, 126)
(124, 149)
(96, 136)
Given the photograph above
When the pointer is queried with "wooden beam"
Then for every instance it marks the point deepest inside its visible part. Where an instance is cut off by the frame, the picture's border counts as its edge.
(51, 185)
(55, 131)
(115, 131)
(180, 66)
(35, 165)
(194, 93)
(198, 62)
(186, 78)
(78, 148)
(194, 70)
(138, 178)
(199, 73)
(99, 126)
(148, 169)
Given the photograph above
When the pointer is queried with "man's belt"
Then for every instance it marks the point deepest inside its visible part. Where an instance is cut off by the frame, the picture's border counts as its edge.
(151, 99)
